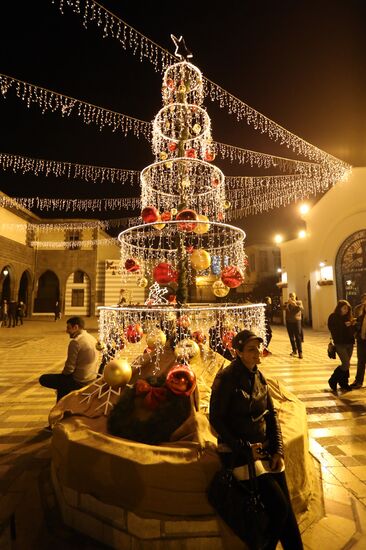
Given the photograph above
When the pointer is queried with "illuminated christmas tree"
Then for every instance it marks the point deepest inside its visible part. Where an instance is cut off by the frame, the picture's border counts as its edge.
(183, 234)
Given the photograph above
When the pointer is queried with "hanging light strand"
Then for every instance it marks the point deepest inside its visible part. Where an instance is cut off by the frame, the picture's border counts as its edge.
(71, 205)
(49, 100)
(69, 170)
(139, 44)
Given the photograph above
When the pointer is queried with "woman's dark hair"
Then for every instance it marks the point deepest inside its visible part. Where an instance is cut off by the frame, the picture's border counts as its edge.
(339, 306)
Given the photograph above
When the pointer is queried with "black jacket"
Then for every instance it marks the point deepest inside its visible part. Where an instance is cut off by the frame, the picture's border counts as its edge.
(341, 334)
(241, 408)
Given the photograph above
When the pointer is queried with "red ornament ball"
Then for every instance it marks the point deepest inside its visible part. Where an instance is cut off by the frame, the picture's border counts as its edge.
(134, 333)
(199, 337)
(150, 214)
(170, 84)
(190, 153)
(166, 216)
(181, 380)
(183, 321)
(209, 156)
(227, 339)
(131, 265)
(164, 273)
(187, 214)
(232, 276)
(172, 146)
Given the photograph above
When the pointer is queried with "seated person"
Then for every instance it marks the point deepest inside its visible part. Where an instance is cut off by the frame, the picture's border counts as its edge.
(81, 365)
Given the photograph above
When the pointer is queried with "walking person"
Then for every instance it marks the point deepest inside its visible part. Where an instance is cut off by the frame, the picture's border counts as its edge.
(12, 313)
(342, 327)
(361, 343)
(81, 365)
(242, 413)
(4, 313)
(57, 311)
(294, 308)
(20, 313)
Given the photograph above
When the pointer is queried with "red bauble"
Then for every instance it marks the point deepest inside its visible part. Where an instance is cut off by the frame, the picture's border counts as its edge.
(183, 321)
(134, 333)
(232, 276)
(227, 338)
(181, 379)
(187, 214)
(150, 214)
(209, 156)
(190, 153)
(199, 337)
(164, 273)
(131, 265)
(166, 216)
(170, 84)
(189, 249)
(215, 182)
(172, 298)
(172, 146)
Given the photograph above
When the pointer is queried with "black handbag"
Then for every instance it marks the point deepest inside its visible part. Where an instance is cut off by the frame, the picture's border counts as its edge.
(331, 350)
(240, 506)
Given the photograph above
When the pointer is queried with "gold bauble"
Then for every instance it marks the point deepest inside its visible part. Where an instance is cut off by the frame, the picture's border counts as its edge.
(220, 289)
(186, 349)
(168, 165)
(196, 128)
(159, 226)
(163, 155)
(156, 338)
(142, 282)
(227, 204)
(174, 211)
(100, 346)
(186, 183)
(202, 227)
(117, 372)
(200, 259)
(182, 89)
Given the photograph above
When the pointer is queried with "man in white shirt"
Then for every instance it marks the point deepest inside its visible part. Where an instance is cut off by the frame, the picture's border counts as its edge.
(81, 365)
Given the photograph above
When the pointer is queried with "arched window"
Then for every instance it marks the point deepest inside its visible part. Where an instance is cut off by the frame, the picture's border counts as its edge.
(351, 268)
(48, 293)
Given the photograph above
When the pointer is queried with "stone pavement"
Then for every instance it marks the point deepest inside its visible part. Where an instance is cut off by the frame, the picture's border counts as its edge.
(29, 517)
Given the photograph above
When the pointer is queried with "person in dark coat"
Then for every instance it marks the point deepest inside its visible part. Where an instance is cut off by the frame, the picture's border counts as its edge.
(342, 328)
(361, 343)
(242, 413)
(12, 313)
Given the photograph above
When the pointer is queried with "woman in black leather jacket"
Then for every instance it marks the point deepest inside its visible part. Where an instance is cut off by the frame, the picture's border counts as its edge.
(241, 411)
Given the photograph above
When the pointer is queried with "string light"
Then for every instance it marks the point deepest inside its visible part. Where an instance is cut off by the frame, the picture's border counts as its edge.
(132, 39)
(49, 100)
(69, 170)
(71, 205)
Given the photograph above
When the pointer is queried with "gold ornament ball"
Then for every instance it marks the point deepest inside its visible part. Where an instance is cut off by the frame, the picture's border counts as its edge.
(142, 282)
(227, 204)
(174, 211)
(200, 259)
(196, 128)
(156, 338)
(202, 227)
(163, 155)
(168, 165)
(117, 372)
(100, 346)
(159, 226)
(186, 349)
(186, 183)
(219, 289)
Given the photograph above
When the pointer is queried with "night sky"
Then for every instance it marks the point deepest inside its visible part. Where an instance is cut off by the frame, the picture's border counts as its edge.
(301, 63)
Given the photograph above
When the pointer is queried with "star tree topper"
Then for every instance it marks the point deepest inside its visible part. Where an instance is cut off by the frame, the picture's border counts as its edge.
(181, 50)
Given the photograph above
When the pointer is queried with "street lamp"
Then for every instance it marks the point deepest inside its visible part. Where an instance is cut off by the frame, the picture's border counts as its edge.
(5, 272)
(304, 208)
(278, 239)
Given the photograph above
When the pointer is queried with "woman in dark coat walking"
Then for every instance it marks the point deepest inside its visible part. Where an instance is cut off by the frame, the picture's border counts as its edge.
(342, 328)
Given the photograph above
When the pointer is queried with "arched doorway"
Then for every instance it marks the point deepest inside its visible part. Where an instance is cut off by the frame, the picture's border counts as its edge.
(5, 283)
(24, 290)
(350, 268)
(48, 293)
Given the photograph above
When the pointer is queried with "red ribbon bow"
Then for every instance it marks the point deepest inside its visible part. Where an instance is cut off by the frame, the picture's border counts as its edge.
(154, 395)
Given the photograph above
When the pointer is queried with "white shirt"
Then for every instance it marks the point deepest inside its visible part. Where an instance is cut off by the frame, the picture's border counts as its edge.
(82, 358)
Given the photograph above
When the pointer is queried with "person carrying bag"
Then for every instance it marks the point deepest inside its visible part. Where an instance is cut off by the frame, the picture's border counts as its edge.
(251, 451)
